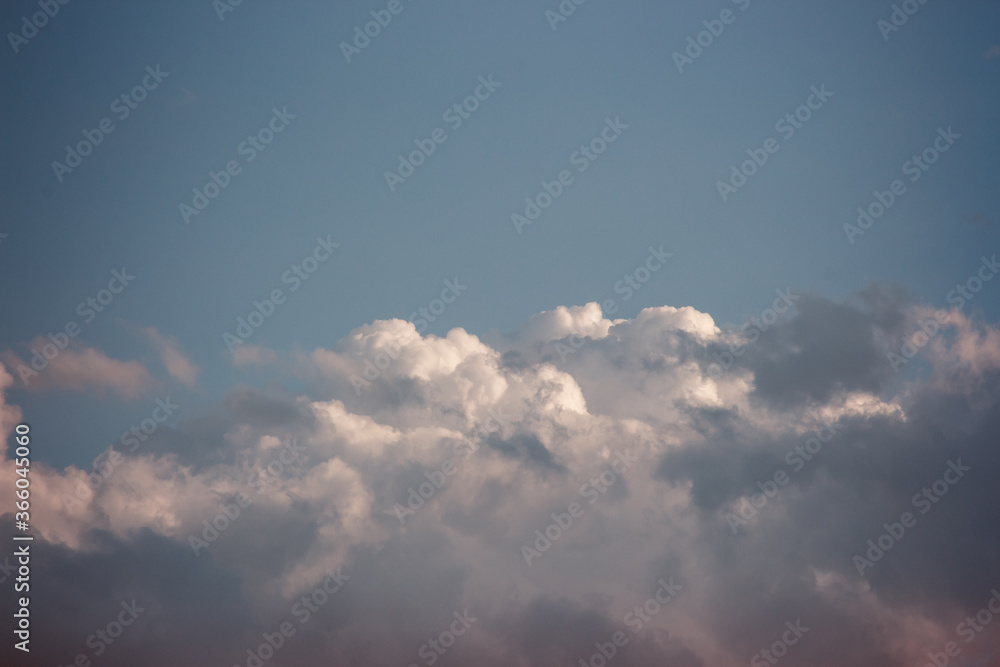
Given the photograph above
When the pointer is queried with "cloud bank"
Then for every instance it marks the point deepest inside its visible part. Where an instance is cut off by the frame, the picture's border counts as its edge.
(581, 489)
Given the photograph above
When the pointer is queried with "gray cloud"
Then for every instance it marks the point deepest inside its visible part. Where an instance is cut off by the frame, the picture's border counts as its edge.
(574, 391)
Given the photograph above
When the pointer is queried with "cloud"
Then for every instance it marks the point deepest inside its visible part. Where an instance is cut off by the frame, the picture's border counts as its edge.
(178, 365)
(253, 355)
(828, 349)
(494, 445)
(77, 368)
(10, 415)
(993, 52)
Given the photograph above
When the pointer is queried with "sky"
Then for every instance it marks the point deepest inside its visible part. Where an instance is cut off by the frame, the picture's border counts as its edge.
(690, 232)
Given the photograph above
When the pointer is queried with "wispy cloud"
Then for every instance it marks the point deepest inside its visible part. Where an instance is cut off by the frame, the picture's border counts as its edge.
(176, 362)
(77, 368)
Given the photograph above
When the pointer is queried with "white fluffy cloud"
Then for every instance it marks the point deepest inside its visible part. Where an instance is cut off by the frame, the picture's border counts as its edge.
(505, 431)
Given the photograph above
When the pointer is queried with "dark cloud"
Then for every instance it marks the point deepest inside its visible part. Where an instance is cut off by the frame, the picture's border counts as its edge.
(824, 350)
(527, 447)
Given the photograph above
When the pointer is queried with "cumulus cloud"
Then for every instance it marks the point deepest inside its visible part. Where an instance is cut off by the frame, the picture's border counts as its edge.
(549, 483)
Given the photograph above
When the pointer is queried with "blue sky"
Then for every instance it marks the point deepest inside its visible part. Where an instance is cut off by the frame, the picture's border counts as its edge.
(695, 165)
(324, 174)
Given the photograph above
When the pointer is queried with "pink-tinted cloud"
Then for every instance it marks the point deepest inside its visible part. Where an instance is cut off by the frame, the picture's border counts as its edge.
(76, 368)
(253, 355)
(448, 486)
(177, 364)
(10, 415)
